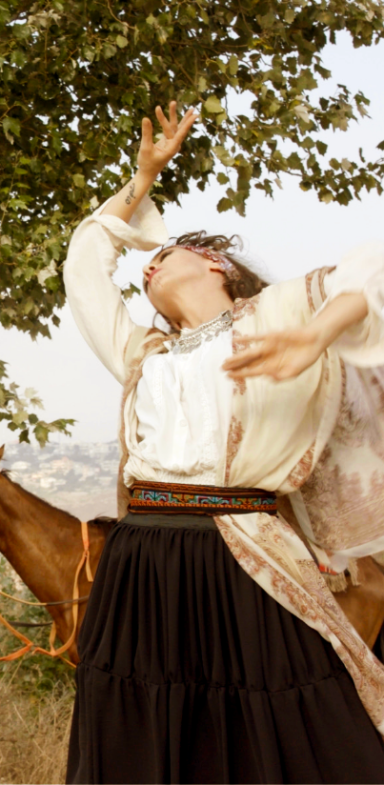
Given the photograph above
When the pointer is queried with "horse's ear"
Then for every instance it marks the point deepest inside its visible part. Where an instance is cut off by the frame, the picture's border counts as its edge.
(2, 452)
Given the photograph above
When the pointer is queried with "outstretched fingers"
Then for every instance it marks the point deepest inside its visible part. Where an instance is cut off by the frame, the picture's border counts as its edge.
(154, 156)
(185, 125)
(173, 116)
(168, 126)
(278, 355)
(171, 128)
(242, 359)
(146, 134)
(264, 357)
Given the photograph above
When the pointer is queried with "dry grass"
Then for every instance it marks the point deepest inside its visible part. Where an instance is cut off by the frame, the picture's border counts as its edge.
(36, 698)
(34, 733)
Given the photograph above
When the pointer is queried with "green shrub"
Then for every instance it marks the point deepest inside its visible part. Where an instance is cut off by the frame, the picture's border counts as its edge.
(35, 674)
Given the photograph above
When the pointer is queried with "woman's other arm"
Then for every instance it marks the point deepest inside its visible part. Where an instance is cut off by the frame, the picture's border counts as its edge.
(360, 271)
(351, 319)
(284, 355)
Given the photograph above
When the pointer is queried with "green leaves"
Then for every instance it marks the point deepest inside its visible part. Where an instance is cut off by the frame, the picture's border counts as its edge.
(75, 85)
(11, 128)
(212, 105)
(121, 41)
(129, 291)
(109, 51)
(233, 65)
(75, 88)
(16, 411)
(302, 113)
(78, 180)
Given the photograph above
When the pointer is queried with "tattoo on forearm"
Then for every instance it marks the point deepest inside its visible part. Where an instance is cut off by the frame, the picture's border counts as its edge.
(131, 194)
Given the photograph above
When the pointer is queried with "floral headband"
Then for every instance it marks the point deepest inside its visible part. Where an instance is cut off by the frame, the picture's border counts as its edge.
(225, 265)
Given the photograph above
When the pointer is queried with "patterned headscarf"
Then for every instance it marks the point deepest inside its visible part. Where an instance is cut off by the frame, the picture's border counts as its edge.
(225, 264)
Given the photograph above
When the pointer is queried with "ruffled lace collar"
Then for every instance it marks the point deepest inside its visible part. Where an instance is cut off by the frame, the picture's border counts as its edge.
(190, 338)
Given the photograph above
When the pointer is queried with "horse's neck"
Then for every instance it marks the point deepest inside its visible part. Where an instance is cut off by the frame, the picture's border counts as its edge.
(41, 542)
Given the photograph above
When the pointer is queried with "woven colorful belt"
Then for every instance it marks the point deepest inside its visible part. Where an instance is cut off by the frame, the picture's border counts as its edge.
(206, 499)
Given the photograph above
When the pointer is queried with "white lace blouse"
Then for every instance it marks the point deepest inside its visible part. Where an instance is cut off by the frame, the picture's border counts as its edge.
(183, 409)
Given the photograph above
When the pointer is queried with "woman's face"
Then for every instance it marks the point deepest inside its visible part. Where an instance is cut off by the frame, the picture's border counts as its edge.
(172, 271)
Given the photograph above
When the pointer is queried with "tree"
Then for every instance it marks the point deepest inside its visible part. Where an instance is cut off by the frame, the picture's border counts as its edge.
(77, 78)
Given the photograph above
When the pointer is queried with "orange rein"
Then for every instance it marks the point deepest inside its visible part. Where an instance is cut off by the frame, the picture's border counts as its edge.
(29, 645)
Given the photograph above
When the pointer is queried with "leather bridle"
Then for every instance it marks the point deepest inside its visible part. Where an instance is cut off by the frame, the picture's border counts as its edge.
(29, 646)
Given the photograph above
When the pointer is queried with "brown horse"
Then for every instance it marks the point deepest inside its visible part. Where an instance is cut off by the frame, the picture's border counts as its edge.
(44, 545)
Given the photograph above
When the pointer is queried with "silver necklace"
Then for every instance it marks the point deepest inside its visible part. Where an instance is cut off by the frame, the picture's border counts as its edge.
(190, 339)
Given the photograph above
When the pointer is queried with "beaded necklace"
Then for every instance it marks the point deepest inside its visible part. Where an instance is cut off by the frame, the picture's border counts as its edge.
(190, 339)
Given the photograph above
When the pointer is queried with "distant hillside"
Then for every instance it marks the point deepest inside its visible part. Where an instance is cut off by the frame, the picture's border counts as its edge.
(80, 478)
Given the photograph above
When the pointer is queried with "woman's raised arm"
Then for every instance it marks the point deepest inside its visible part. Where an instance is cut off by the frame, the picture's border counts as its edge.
(128, 219)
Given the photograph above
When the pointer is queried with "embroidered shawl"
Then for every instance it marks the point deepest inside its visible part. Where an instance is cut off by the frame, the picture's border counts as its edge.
(295, 437)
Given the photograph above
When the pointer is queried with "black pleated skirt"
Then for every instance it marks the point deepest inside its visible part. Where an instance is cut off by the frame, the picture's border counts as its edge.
(191, 673)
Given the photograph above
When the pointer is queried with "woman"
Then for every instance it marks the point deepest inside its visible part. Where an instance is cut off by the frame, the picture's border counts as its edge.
(212, 649)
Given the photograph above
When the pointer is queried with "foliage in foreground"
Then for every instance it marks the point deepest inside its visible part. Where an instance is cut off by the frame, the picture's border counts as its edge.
(15, 409)
(36, 696)
(34, 674)
(77, 78)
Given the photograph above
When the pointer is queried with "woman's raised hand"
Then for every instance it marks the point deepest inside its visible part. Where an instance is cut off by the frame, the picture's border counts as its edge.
(154, 156)
(151, 160)
(281, 355)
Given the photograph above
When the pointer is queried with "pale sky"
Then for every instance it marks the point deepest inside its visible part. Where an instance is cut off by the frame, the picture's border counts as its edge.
(285, 237)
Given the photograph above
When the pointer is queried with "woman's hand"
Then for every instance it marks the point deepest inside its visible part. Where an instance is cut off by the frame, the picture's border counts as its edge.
(281, 355)
(284, 355)
(154, 156)
(151, 160)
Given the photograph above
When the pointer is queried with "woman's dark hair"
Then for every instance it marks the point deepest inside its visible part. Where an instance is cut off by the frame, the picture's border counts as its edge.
(246, 285)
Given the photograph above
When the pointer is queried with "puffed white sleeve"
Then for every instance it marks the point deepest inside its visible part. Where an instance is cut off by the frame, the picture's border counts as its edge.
(95, 301)
(362, 270)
